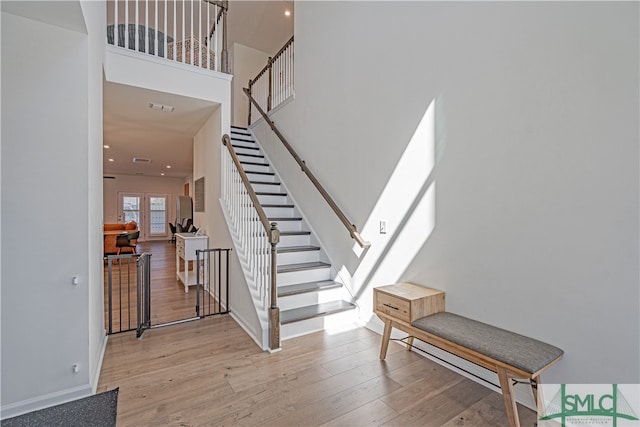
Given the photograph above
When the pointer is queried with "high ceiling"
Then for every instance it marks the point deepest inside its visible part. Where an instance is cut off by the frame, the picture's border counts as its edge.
(132, 129)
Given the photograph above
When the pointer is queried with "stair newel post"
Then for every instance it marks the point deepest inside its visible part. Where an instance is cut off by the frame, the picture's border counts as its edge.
(274, 311)
(270, 84)
(224, 56)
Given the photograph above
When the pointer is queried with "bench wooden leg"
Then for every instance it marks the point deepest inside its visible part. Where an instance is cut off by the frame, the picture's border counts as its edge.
(386, 335)
(409, 343)
(509, 398)
(535, 383)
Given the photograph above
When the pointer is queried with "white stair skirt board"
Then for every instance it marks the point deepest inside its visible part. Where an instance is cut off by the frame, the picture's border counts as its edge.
(309, 298)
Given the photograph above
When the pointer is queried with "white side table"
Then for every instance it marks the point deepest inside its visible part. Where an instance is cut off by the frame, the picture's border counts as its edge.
(186, 246)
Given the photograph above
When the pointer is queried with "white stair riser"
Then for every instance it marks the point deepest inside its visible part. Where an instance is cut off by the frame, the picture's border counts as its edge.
(298, 257)
(279, 212)
(309, 298)
(266, 187)
(247, 158)
(296, 240)
(261, 177)
(289, 225)
(243, 142)
(241, 150)
(256, 168)
(295, 329)
(275, 200)
(303, 276)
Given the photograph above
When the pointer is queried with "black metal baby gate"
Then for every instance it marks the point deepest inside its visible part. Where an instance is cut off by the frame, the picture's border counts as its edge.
(129, 293)
(212, 282)
(129, 289)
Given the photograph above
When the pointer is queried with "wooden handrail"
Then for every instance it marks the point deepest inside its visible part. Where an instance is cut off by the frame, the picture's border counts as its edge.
(274, 239)
(353, 231)
(215, 22)
(272, 60)
(245, 179)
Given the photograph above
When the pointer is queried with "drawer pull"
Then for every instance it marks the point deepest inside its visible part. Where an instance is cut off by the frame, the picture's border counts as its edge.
(390, 306)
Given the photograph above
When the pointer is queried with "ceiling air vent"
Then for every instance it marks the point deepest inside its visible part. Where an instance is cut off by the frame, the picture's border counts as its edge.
(141, 160)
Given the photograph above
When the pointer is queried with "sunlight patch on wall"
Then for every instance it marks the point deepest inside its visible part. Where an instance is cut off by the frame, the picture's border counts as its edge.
(407, 205)
(408, 241)
(405, 185)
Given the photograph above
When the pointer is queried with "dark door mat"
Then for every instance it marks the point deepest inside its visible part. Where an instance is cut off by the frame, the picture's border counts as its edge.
(98, 410)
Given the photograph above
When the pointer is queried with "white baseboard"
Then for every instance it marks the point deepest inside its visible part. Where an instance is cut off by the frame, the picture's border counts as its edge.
(240, 321)
(96, 374)
(45, 401)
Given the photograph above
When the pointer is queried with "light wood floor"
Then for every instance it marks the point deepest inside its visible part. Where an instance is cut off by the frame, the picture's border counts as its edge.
(210, 373)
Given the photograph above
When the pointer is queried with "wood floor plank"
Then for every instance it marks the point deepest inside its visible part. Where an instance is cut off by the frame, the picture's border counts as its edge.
(435, 410)
(490, 412)
(371, 414)
(337, 404)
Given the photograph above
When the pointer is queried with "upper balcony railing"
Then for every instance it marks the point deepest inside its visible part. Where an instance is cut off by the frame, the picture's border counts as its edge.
(274, 83)
(192, 32)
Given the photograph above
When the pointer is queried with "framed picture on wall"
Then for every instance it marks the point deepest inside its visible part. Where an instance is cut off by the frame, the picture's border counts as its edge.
(198, 194)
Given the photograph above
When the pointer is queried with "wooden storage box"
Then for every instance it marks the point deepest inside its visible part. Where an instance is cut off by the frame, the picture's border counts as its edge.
(407, 301)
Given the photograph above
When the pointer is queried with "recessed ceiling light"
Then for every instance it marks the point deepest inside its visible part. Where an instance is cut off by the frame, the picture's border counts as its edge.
(168, 166)
(287, 13)
(162, 174)
(111, 160)
(161, 107)
(106, 146)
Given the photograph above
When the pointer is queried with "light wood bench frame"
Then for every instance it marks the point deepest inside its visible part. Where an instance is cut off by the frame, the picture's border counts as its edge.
(506, 373)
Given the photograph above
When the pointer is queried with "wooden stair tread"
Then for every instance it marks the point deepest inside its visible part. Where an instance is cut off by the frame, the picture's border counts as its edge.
(294, 233)
(242, 146)
(288, 249)
(264, 182)
(259, 156)
(302, 288)
(285, 218)
(244, 162)
(259, 173)
(316, 310)
(276, 205)
(303, 266)
(269, 193)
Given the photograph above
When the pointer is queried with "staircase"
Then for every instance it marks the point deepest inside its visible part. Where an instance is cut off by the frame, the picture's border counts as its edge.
(307, 289)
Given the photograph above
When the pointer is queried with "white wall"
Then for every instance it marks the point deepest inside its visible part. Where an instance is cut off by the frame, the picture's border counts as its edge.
(48, 324)
(207, 152)
(532, 220)
(172, 187)
(94, 14)
(130, 68)
(246, 64)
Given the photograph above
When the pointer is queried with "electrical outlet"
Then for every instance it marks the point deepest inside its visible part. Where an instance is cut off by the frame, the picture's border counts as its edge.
(76, 368)
(383, 227)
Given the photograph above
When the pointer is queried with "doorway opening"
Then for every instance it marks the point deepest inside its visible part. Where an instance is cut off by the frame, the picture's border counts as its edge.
(162, 300)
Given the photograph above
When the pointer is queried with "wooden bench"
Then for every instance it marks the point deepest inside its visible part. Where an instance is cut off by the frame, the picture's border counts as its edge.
(419, 312)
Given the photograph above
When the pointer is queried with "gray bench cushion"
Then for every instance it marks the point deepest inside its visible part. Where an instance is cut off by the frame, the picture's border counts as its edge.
(516, 350)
